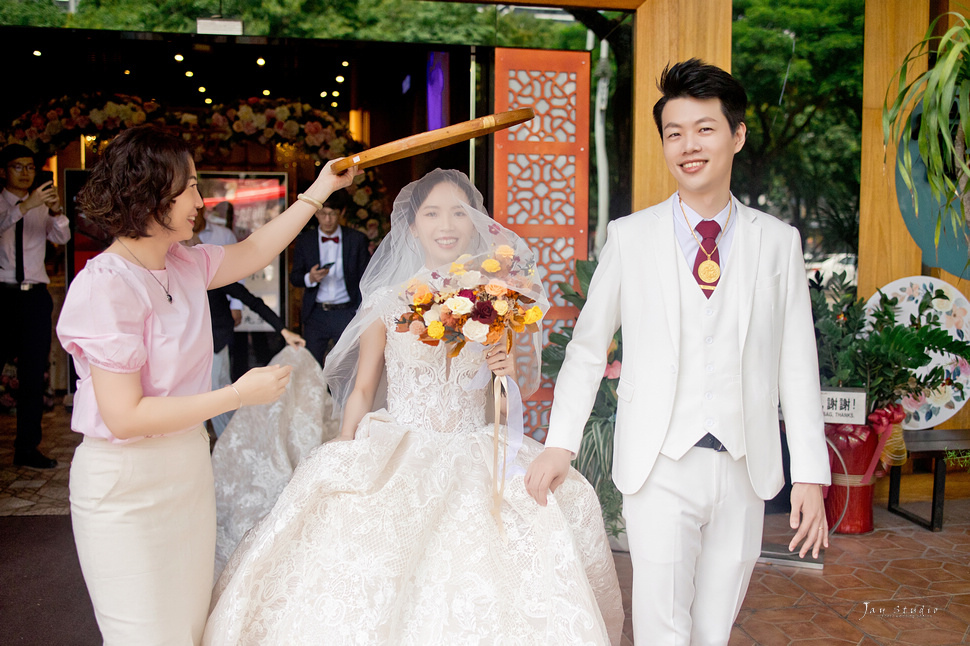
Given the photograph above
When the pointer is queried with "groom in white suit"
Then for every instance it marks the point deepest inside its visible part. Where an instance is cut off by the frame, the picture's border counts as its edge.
(717, 326)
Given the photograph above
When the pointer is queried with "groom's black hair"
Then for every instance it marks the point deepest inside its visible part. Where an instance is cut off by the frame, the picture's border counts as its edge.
(698, 80)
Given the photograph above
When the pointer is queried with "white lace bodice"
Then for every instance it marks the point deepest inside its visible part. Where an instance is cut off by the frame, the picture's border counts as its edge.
(426, 390)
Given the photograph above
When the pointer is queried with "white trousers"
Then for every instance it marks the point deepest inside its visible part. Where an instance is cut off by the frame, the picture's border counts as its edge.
(220, 379)
(144, 518)
(695, 535)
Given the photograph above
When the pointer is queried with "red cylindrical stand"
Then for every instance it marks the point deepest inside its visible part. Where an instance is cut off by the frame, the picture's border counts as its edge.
(857, 445)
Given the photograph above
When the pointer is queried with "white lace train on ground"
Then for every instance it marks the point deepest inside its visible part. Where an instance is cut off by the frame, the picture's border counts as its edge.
(261, 447)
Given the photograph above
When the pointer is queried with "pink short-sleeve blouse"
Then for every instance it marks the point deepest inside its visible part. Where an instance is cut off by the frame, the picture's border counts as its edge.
(117, 317)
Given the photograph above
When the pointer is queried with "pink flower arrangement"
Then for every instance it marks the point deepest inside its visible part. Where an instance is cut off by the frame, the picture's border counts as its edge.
(53, 125)
(612, 370)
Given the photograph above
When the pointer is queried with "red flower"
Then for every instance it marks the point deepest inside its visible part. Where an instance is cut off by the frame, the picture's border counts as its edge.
(484, 312)
(467, 293)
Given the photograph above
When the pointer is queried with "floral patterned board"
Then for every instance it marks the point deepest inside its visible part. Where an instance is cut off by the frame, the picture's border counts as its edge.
(927, 411)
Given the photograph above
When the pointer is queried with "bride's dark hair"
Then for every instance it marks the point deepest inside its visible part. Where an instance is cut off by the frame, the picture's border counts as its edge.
(423, 187)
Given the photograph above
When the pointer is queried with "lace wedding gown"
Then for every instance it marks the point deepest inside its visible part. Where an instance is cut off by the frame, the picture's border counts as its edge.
(262, 445)
(389, 539)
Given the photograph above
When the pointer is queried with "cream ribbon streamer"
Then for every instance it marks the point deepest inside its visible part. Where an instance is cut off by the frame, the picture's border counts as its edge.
(514, 429)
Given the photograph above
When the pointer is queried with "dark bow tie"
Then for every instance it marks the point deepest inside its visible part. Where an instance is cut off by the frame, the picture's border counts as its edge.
(333, 239)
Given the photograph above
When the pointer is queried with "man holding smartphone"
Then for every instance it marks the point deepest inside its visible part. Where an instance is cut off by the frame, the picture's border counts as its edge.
(30, 215)
(328, 262)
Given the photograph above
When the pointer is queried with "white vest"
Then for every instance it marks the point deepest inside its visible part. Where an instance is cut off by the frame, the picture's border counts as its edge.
(708, 394)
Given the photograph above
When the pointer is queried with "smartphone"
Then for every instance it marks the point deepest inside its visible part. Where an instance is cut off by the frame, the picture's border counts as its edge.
(328, 265)
(42, 177)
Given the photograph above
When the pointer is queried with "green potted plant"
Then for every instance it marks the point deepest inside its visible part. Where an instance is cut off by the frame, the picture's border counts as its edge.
(935, 110)
(595, 457)
(888, 359)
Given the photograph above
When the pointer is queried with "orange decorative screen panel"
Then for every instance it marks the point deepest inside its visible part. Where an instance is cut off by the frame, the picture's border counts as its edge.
(542, 176)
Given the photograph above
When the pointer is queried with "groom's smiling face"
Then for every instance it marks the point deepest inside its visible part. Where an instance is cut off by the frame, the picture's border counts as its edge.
(699, 146)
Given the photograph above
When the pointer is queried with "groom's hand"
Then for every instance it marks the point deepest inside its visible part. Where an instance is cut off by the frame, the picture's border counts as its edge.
(808, 518)
(547, 472)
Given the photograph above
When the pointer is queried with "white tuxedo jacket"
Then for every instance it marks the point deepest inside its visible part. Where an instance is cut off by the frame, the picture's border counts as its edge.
(636, 286)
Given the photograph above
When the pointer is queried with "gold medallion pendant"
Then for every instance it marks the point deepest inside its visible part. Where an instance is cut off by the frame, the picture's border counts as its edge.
(709, 271)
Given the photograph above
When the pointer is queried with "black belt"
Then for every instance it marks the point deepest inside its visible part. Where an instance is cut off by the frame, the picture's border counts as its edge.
(21, 287)
(326, 307)
(710, 442)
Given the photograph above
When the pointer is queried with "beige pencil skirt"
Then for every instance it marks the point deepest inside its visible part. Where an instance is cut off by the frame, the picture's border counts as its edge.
(144, 521)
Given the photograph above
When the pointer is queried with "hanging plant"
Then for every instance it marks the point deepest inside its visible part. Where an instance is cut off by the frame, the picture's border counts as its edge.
(936, 106)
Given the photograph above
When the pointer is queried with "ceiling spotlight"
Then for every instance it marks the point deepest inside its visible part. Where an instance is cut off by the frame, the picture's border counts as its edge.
(127, 72)
(340, 79)
(345, 64)
(201, 88)
(208, 101)
(36, 52)
(323, 95)
(265, 92)
(333, 105)
(335, 93)
(260, 61)
(179, 58)
(189, 73)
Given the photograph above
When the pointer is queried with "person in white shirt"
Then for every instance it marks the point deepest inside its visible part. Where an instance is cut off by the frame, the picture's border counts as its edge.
(29, 217)
(328, 263)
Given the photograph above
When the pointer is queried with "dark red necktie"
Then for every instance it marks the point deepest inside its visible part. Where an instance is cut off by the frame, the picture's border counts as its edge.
(708, 230)
(19, 245)
(333, 239)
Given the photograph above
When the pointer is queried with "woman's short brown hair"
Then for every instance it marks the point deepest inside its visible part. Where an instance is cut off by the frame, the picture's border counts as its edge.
(136, 180)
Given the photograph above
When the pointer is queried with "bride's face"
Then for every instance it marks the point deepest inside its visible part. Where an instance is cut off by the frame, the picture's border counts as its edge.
(442, 226)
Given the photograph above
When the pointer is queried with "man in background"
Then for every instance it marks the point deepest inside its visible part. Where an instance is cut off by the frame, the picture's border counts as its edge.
(29, 217)
(328, 263)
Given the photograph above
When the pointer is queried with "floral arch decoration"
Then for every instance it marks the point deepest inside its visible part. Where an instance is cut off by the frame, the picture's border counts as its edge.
(299, 131)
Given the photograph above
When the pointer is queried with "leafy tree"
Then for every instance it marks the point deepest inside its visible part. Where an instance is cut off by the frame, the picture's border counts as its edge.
(801, 63)
(31, 13)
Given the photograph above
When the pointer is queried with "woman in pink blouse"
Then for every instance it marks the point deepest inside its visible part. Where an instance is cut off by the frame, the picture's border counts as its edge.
(136, 321)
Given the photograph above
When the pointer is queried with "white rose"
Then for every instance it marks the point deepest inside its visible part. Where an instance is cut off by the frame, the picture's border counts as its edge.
(470, 279)
(282, 113)
(475, 331)
(501, 307)
(942, 304)
(939, 397)
(459, 305)
(245, 113)
(434, 314)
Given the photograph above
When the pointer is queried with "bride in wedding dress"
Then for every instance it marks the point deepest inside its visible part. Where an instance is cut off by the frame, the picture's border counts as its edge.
(416, 528)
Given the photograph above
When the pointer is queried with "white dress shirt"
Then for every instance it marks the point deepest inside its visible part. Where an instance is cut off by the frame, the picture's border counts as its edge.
(685, 232)
(217, 234)
(332, 288)
(39, 227)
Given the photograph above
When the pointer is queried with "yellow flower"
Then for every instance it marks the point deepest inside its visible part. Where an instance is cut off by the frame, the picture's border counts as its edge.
(457, 269)
(491, 265)
(501, 307)
(436, 330)
(533, 315)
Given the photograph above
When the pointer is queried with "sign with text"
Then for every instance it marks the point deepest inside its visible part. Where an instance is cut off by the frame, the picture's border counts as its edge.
(844, 405)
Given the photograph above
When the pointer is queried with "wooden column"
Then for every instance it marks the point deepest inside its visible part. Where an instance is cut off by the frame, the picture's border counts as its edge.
(886, 250)
(668, 31)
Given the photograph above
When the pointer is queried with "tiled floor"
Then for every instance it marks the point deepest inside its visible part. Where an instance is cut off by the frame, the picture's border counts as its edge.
(900, 584)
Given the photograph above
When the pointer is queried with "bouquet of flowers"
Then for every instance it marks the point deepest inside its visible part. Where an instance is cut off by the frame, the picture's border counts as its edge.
(479, 299)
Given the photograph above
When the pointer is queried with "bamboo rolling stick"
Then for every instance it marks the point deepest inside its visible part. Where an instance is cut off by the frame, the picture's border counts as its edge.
(433, 139)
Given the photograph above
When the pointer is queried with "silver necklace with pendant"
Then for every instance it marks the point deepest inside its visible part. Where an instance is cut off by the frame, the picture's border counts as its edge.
(164, 287)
